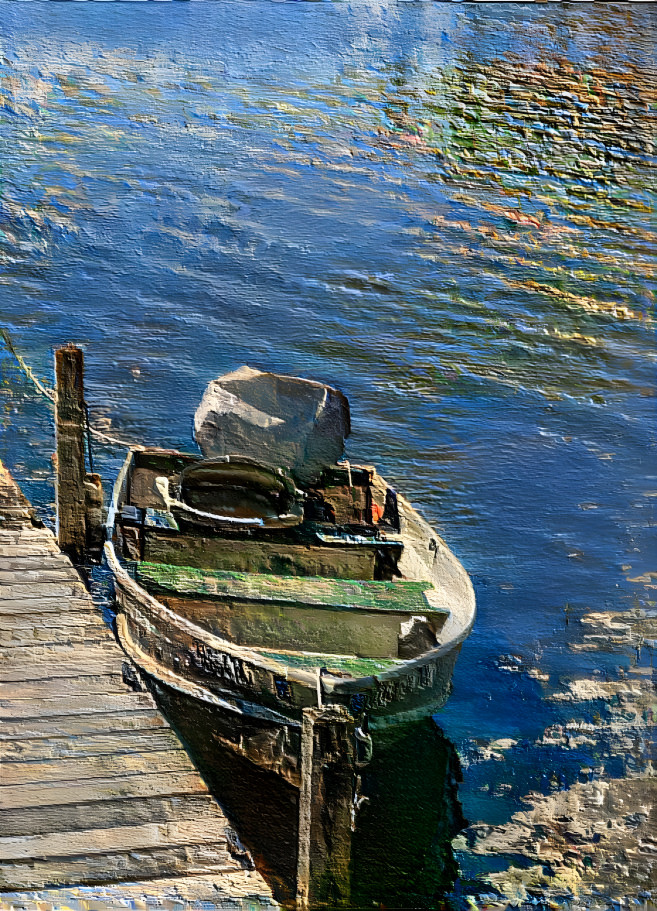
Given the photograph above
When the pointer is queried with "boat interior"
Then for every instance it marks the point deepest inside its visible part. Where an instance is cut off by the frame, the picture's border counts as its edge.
(238, 549)
(236, 514)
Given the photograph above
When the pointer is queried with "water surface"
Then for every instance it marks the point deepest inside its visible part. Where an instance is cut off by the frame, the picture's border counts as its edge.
(444, 210)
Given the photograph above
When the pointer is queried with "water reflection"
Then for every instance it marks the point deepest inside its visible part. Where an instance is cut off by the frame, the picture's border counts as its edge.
(407, 810)
(584, 786)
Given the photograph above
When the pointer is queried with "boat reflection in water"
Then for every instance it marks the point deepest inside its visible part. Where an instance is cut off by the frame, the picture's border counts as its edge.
(396, 847)
(298, 620)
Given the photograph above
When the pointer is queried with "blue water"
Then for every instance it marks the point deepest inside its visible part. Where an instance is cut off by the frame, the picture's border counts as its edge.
(446, 211)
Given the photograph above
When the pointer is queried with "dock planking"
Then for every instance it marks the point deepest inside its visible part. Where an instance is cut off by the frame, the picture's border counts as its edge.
(99, 802)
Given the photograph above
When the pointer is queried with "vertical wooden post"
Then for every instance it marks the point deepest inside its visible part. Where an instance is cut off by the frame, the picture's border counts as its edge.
(71, 472)
(328, 769)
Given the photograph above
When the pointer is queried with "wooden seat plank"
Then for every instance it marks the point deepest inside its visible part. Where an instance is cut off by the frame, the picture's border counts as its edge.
(343, 594)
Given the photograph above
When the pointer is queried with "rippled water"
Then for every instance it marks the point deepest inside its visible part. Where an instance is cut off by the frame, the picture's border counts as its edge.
(445, 210)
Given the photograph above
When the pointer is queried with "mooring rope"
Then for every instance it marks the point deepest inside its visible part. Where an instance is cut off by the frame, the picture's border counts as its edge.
(27, 370)
(51, 395)
(162, 487)
(114, 441)
(87, 427)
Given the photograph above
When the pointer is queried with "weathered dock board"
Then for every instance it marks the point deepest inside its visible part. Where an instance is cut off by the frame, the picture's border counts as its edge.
(100, 806)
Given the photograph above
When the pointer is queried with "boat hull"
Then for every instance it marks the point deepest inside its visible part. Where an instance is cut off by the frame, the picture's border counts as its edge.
(276, 685)
(192, 660)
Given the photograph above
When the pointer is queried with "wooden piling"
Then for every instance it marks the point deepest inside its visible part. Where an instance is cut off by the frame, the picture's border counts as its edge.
(71, 471)
(328, 771)
(94, 516)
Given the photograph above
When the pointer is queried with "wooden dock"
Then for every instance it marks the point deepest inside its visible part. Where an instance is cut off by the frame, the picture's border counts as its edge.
(100, 806)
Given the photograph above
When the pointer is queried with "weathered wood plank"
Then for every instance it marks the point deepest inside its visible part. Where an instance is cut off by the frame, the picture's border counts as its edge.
(40, 548)
(12, 512)
(12, 539)
(105, 814)
(68, 637)
(37, 590)
(41, 606)
(86, 767)
(10, 531)
(98, 789)
(76, 705)
(24, 532)
(74, 725)
(76, 630)
(116, 744)
(208, 830)
(62, 686)
(57, 623)
(44, 576)
(260, 556)
(82, 641)
(143, 864)
(215, 892)
(65, 654)
(64, 663)
(50, 560)
(330, 593)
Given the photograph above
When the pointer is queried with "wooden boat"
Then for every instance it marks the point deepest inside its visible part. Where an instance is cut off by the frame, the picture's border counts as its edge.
(268, 578)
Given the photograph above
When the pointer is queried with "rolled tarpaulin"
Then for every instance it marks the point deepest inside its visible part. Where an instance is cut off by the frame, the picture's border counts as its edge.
(284, 421)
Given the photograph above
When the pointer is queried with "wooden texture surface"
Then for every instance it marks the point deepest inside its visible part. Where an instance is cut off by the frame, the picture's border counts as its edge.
(71, 470)
(96, 791)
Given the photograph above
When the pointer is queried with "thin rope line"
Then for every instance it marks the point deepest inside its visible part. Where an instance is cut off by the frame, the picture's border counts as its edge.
(27, 370)
(51, 395)
(114, 440)
(88, 429)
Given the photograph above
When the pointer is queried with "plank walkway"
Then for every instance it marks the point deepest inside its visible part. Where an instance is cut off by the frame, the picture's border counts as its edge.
(100, 806)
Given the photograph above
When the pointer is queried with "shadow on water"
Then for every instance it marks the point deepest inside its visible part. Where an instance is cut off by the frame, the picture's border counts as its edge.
(402, 854)
(262, 806)
(407, 815)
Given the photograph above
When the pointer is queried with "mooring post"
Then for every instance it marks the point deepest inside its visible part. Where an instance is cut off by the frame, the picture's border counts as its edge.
(71, 471)
(328, 770)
